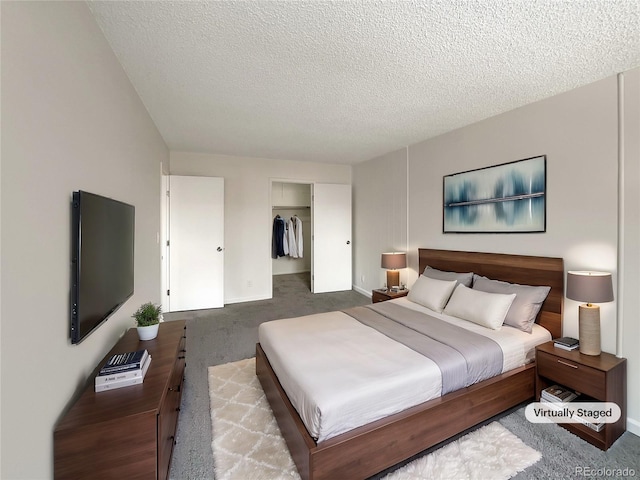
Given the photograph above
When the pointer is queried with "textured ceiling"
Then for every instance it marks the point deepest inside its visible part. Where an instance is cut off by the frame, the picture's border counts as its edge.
(346, 81)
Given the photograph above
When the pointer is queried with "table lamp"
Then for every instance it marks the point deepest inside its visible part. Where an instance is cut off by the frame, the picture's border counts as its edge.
(392, 262)
(590, 287)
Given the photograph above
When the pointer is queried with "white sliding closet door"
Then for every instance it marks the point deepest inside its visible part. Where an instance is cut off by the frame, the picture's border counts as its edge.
(331, 269)
(196, 243)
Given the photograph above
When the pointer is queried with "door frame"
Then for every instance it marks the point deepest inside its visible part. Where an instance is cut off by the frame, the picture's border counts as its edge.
(273, 180)
(164, 237)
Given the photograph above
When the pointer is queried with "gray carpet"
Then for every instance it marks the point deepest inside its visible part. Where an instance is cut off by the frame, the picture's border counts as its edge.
(225, 335)
(228, 334)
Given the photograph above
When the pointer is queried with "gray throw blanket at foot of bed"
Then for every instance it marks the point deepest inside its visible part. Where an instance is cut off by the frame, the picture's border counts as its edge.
(464, 357)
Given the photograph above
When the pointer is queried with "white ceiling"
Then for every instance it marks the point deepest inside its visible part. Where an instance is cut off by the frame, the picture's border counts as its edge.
(346, 81)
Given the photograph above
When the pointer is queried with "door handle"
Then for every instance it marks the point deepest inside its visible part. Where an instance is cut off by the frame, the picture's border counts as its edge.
(219, 249)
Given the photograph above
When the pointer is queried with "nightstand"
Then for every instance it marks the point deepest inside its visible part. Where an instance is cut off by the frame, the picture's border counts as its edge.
(383, 295)
(603, 378)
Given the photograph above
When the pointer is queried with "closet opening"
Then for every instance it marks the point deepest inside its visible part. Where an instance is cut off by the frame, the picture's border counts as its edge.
(291, 238)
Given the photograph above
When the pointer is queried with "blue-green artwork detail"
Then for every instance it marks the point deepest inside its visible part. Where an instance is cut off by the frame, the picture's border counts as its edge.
(504, 198)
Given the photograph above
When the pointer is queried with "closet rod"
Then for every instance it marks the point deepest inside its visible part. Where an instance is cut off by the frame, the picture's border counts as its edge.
(279, 207)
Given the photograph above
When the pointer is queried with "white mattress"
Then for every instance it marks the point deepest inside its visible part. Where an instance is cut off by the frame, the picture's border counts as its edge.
(340, 374)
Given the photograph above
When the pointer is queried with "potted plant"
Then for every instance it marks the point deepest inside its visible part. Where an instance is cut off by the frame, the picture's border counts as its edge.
(148, 318)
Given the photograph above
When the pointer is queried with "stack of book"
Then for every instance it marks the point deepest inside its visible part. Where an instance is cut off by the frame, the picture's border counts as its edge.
(123, 370)
(566, 343)
(557, 394)
(593, 426)
(557, 397)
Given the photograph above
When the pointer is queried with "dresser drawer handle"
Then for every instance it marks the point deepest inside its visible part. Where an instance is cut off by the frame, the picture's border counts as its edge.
(567, 364)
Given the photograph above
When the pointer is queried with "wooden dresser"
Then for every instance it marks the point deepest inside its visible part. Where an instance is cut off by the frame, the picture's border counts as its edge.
(128, 432)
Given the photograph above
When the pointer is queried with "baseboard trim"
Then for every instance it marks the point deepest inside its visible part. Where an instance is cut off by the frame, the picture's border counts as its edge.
(366, 293)
(246, 299)
(633, 426)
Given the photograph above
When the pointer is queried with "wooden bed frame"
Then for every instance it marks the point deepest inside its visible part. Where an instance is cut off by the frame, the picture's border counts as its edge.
(370, 449)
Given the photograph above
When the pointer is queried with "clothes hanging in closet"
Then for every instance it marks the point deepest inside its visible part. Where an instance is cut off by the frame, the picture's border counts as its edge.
(294, 237)
(291, 238)
(277, 240)
(287, 237)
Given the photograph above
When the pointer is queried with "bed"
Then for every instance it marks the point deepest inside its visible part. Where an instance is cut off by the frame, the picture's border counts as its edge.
(366, 449)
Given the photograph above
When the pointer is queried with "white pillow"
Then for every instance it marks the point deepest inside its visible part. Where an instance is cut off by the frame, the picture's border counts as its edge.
(486, 309)
(431, 293)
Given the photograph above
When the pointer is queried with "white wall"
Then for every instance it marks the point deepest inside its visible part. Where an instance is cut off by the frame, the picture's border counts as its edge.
(380, 217)
(70, 120)
(578, 131)
(248, 222)
(630, 249)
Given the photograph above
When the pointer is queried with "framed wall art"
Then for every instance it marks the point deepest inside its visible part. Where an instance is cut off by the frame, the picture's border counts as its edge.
(506, 198)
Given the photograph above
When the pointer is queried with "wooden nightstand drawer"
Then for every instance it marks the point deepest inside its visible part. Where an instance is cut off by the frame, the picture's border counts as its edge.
(379, 297)
(571, 374)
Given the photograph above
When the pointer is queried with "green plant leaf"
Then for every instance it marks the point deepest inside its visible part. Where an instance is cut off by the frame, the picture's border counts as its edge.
(147, 314)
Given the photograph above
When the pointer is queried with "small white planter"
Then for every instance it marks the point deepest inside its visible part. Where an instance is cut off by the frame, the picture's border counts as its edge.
(148, 333)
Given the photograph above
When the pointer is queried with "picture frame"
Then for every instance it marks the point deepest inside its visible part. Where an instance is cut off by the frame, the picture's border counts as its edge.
(505, 198)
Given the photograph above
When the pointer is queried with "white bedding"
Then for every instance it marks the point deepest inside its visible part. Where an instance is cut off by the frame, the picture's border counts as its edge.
(340, 374)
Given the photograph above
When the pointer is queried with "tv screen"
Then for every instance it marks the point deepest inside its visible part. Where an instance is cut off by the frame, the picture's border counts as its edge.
(102, 260)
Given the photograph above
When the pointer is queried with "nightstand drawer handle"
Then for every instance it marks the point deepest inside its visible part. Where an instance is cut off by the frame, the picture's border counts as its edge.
(567, 364)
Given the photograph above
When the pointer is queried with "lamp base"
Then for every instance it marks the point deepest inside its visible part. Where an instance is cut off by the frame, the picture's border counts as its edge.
(589, 329)
(393, 278)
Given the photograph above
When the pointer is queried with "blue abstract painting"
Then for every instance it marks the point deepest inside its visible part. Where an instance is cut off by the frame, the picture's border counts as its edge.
(504, 198)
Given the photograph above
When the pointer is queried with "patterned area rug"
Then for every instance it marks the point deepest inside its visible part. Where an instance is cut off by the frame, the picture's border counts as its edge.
(247, 443)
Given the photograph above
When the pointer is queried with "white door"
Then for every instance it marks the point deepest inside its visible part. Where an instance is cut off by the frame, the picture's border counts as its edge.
(164, 240)
(331, 212)
(196, 243)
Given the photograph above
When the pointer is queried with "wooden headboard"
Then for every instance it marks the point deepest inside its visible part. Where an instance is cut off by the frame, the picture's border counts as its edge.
(522, 269)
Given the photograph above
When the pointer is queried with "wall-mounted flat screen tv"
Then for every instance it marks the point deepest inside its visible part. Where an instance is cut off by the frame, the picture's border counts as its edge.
(103, 232)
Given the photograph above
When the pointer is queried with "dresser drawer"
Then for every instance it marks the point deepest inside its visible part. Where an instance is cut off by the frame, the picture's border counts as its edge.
(571, 374)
